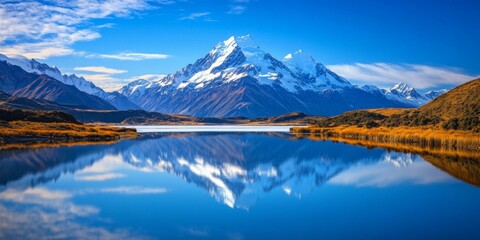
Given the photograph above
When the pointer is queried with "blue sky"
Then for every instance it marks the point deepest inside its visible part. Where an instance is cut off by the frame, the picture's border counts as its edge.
(425, 43)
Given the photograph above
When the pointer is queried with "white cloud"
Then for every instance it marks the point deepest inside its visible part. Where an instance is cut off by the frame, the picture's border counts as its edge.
(41, 213)
(236, 9)
(41, 29)
(195, 16)
(104, 78)
(100, 177)
(149, 77)
(385, 174)
(131, 56)
(134, 190)
(106, 81)
(386, 74)
(33, 195)
(100, 69)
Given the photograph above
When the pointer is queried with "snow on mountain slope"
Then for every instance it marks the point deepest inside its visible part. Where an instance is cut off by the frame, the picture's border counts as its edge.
(434, 93)
(313, 75)
(229, 61)
(238, 78)
(32, 66)
(240, 57)
(19, 83)
(372, 89)
(403, 93)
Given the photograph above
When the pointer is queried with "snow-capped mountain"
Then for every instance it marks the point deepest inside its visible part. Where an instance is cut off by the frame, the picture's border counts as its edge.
(313, 75)
(32, 66)
(403, 93)
(434, 93)
(238, 78)
(16, 82)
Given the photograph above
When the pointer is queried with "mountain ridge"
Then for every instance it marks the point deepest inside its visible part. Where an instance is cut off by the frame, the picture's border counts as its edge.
(119, 101)
(237, 78)
(15, 81)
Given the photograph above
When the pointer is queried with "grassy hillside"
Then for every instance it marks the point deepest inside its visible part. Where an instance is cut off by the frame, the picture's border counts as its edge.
(458, 109)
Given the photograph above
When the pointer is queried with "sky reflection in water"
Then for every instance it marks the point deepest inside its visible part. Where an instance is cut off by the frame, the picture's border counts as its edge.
(230, 186)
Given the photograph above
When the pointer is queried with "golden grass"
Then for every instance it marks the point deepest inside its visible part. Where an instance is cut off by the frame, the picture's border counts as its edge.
(35, 132)
(32, 145)
(422, 137)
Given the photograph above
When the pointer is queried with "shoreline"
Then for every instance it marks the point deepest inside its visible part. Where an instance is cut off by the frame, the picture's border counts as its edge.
(25, 134)
(400, 137)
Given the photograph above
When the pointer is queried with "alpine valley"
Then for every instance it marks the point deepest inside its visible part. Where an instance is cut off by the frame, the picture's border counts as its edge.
(236, 78)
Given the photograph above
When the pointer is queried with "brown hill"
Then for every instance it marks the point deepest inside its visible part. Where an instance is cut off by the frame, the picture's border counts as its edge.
(457, 109)
(462, 101)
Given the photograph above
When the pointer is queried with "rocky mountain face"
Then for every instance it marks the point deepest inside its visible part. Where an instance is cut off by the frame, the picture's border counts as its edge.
(119, 101)
(401, 92)
(19, 83)
(237, 78)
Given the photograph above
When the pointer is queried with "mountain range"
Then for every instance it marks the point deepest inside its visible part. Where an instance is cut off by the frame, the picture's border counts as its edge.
(118, 101)
(17, 82)
(236, 78)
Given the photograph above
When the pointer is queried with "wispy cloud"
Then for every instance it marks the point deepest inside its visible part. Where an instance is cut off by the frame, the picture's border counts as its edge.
(195, 16)
(102, 76)
(149, 77)
(134, 190)
(130, 56)
(100, 177)
(31, 195)
(387, 74)
(41, 29)
(385, 174)
(100, 69)
(237, 9)
(106, 81)
(42, 212)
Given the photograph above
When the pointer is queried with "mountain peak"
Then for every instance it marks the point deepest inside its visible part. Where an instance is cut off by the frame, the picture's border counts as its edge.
(245, 42)
(301, 62)
(402, 87)
(403, 92)
(300, 56)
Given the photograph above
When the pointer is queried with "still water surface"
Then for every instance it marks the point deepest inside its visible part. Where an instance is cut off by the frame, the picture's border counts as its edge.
(218, 185)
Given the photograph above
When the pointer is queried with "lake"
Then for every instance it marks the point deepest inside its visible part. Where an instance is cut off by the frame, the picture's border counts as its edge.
(219, 184)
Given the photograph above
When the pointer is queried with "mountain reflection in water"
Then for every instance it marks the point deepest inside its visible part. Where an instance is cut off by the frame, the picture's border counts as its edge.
(234, 168)
(59, 191)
